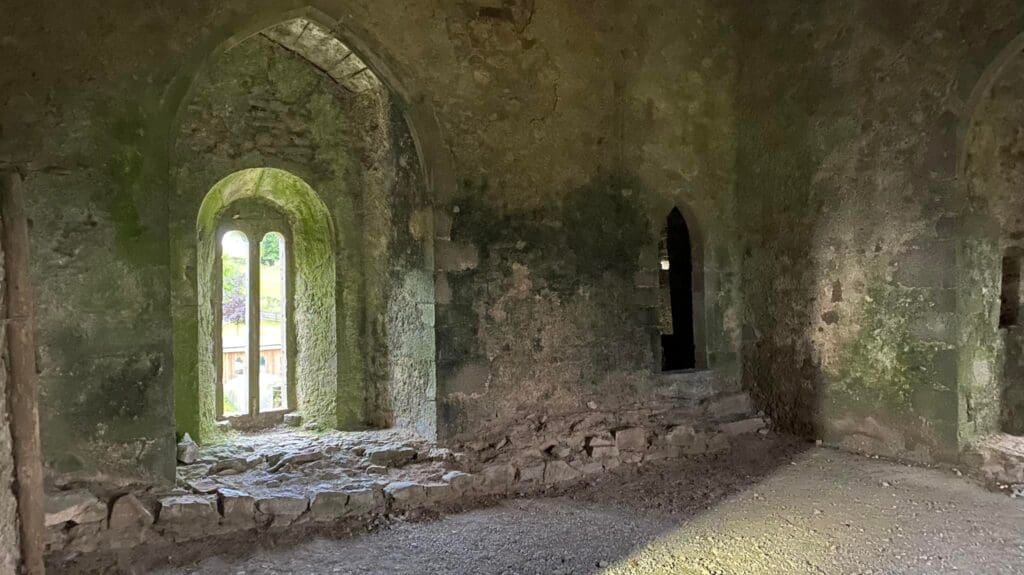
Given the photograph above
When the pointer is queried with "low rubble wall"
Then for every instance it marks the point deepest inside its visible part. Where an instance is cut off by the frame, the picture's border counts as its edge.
(528, 457)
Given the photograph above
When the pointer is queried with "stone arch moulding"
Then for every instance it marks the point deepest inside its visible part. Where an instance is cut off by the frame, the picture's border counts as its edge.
(315, 290)
(435, 161)
(981, 90)
(230, 30)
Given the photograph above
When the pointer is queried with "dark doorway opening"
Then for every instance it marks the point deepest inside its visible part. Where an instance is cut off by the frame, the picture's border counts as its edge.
(678, 350)
(1009, 300)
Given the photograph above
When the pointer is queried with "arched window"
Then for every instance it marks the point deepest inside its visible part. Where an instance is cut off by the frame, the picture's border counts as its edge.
(254, 321)
(676, 279)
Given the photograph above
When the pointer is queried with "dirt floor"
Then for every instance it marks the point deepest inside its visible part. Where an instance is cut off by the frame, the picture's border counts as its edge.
(776, 506)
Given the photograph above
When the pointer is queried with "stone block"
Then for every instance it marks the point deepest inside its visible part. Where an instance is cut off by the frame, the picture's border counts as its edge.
(285, 506)
(230, 466)
(560, 452)
(632, 439)
(556, 472)
(439, 493)
(603, 451)
(329, 505)
(293, 419)
(691, 442)
(497, 478)
(78, 506)
(406, 494)
(631, 457)
(730, 407)
(390, 455)
(188, 510)
(128, 513)
(743, 427)
(601, 447)
(238, 507)
(680, 436)
(662, 453)
(460, 482)
(532, 474)
(188, 450)
(204, 485)
(364, 500)
(296, 459)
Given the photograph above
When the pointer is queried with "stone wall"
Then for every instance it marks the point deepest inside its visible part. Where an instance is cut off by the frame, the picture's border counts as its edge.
(995, 174)
(848, 272)
(259, 104)
(870, 280)
(545, 228)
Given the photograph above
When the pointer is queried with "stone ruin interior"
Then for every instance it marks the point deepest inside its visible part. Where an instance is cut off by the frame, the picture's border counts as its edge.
(512, 286)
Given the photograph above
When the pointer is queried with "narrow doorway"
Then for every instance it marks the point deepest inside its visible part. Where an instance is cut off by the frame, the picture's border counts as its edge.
(678, 349)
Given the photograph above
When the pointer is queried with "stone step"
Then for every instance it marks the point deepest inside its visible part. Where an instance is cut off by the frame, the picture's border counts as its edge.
(693, 386)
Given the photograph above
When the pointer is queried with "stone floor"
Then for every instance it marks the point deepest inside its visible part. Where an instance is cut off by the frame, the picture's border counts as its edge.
(773, 505)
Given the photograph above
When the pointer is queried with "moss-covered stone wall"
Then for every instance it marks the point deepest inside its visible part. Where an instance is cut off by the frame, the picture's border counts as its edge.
(869, 278)
(260, 104)
(521, 194)
(995, 176)
(512, 192)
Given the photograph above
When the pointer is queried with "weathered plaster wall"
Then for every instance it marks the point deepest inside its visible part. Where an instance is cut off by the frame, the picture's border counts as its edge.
(10, 550)
(870, 280)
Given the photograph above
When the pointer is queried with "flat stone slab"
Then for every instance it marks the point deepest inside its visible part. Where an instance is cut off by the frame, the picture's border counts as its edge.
(77, 506)
(188, 509)
(129, 513)
(289, 505)
(391, 455)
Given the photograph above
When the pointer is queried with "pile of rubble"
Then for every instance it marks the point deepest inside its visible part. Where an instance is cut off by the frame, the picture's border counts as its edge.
(545, 451)
(290, 477)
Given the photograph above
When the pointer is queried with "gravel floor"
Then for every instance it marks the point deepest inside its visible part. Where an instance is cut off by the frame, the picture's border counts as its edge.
(774, 507)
